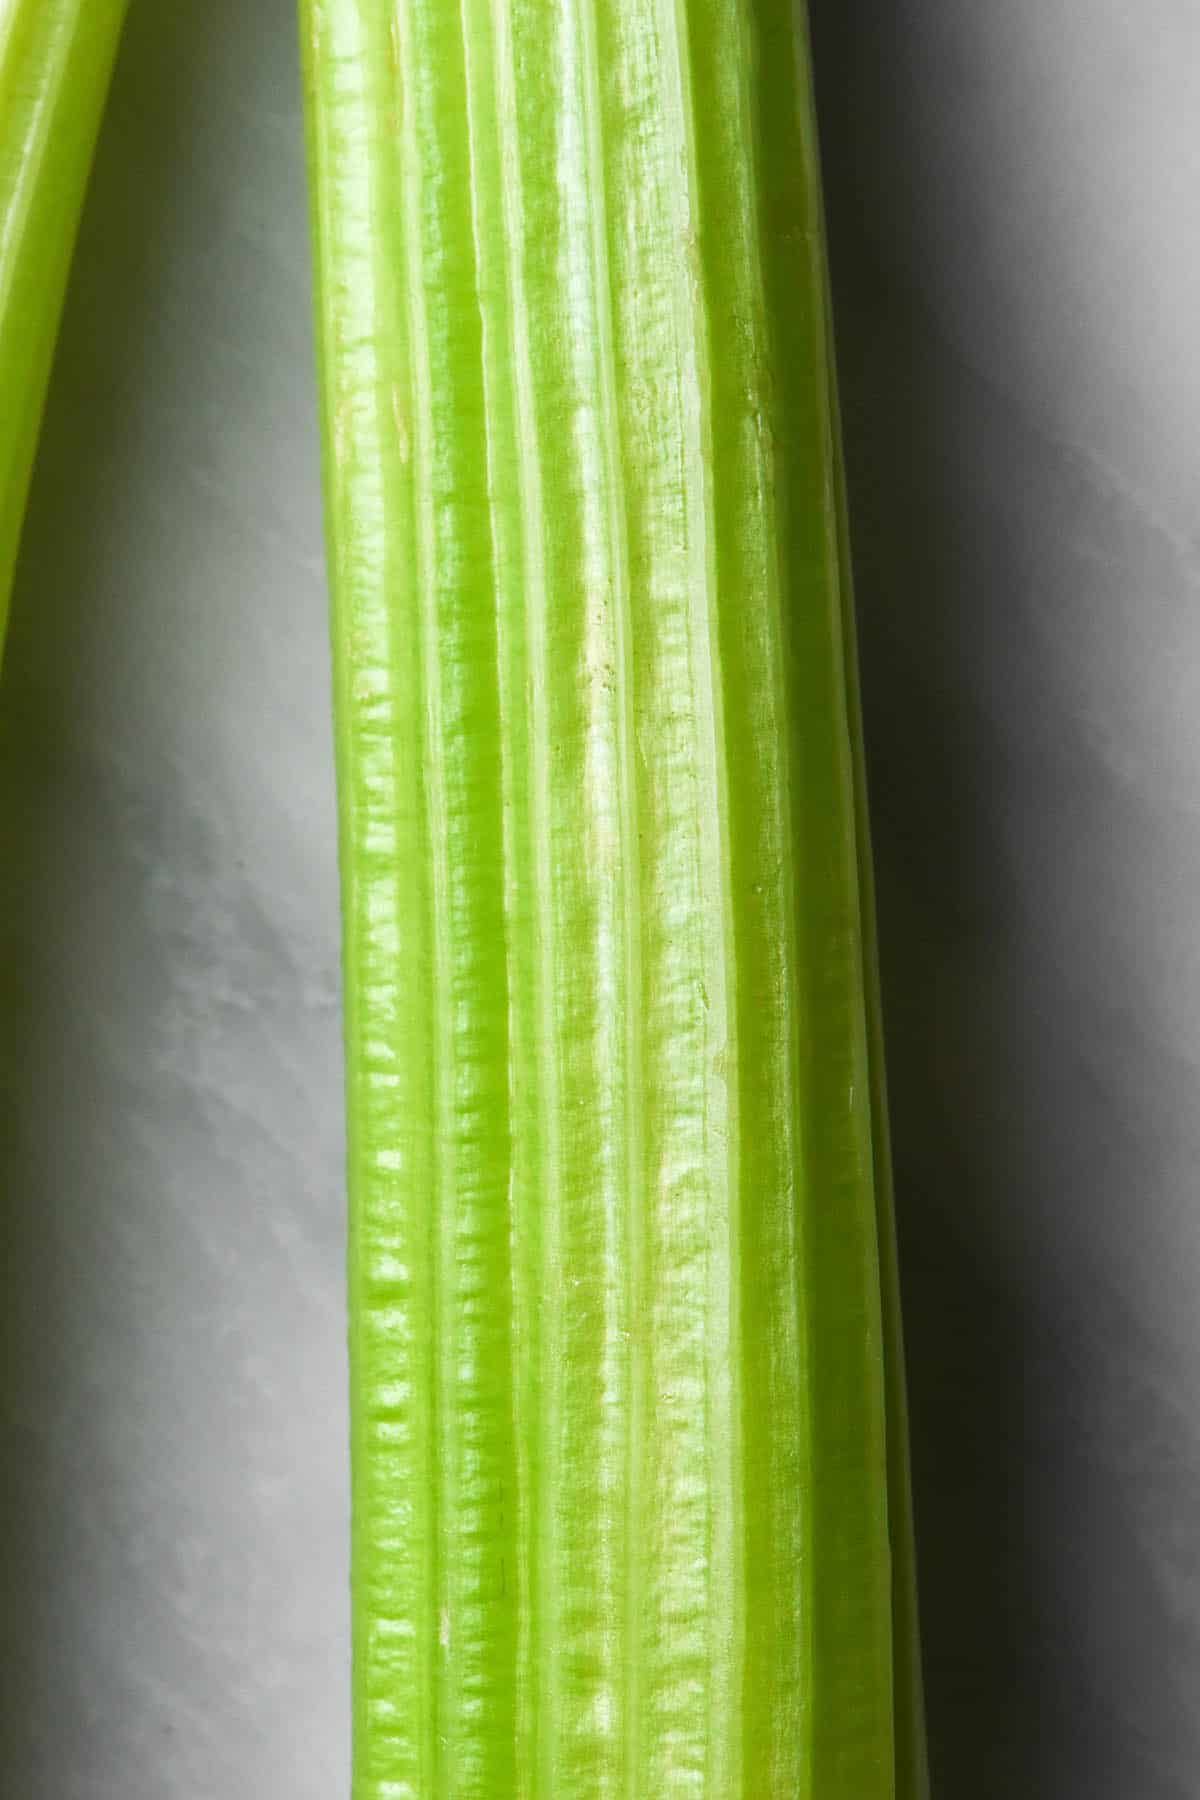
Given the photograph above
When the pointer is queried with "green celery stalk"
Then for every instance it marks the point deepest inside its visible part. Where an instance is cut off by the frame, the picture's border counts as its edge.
(56, 58)
(631, 1506)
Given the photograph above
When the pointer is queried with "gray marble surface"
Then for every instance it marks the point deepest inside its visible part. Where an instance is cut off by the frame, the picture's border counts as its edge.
(1013, 194)
(173, 1491)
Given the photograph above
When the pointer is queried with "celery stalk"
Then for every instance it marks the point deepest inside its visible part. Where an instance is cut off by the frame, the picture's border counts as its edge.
(56, 57)
(630, 1482)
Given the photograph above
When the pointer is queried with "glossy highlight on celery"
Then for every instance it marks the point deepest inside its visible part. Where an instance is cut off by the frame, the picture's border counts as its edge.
(630, 1482)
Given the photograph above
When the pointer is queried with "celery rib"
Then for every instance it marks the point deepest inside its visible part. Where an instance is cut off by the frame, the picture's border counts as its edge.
(624, 1415)
(56, 58)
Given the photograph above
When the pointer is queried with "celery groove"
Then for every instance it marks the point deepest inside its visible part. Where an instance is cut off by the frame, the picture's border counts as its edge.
(56, 57)
(630, 1488)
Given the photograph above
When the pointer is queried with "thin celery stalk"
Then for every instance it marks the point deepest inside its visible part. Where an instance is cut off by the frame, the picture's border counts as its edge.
(912, 1754)
(56, 58)
(622, 1431)
(912, 1751)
